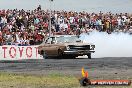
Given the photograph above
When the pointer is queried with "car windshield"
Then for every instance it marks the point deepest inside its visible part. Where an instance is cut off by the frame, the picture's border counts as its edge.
(67, 39)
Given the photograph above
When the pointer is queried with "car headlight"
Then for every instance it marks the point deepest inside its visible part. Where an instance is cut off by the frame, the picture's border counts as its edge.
(67, 47)
(92, 47)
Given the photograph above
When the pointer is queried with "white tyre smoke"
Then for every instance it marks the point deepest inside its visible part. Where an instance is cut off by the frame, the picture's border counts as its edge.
(109, 45)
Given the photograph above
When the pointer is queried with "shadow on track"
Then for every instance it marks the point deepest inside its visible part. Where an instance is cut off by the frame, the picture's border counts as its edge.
(23, 61)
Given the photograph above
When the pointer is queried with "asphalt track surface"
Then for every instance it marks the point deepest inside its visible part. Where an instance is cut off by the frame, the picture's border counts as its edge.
(110, 66)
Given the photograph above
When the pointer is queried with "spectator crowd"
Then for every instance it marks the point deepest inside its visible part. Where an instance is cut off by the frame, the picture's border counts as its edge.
(31, 27)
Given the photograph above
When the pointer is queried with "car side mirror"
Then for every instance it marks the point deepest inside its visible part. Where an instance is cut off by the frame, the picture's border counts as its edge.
(78, 41)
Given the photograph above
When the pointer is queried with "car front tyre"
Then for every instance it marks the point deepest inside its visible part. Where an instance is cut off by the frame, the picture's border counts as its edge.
(89, 55)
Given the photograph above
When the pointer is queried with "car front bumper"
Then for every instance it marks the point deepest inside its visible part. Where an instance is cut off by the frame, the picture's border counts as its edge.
(78, 52)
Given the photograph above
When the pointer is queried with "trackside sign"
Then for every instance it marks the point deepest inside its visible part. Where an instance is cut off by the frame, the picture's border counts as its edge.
(19, 52)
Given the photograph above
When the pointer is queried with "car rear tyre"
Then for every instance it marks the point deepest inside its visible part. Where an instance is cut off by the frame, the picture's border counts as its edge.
(44, 54)
(89, 55)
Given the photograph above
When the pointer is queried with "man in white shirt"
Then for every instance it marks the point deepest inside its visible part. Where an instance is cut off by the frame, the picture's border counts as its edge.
(119, 23)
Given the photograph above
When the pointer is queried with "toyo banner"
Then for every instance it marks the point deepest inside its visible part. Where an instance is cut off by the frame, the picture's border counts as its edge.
(19, 52)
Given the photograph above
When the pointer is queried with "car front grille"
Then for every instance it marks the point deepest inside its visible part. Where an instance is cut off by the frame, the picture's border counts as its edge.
(82, 47)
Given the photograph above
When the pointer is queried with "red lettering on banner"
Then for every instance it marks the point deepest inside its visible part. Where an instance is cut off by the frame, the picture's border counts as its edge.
(10, 52)
(28, 53)
(4, 51)
(20, 50)
(36, 52)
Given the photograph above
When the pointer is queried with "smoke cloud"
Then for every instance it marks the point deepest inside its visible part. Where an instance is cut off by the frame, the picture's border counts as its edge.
(109, 45)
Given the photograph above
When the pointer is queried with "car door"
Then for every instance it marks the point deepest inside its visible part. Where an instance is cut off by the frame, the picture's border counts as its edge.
(53, 49)
(50, 47)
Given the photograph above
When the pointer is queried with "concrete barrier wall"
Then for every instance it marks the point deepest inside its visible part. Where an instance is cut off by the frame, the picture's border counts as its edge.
(19, 52)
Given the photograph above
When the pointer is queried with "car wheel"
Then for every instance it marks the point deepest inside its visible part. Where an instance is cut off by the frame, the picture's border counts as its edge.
(60, 54)
(44, 54)
(89, 55)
